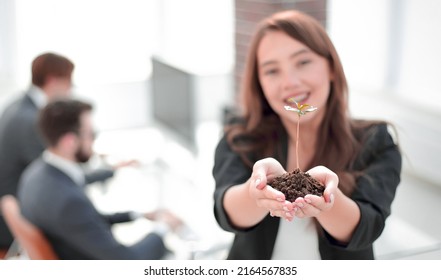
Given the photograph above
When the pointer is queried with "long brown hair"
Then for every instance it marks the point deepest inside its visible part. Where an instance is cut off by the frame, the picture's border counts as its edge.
(339, 139)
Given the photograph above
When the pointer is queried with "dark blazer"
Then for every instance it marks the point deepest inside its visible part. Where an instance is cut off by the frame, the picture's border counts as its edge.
(20, 143)
(55, 203)
(380, 160)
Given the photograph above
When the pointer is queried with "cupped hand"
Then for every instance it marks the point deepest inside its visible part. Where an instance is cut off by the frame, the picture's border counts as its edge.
(265, 196)
(313, 205)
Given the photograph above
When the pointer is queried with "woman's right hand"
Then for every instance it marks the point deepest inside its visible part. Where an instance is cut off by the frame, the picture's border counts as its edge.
(264, 195)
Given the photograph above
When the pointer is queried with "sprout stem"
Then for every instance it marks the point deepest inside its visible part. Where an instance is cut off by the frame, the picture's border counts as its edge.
(297, 143)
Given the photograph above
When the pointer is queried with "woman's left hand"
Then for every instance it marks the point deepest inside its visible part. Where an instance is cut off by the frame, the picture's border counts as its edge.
(313, 205)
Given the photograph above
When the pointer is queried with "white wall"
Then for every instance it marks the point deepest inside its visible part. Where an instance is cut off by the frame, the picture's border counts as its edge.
(421, 60)
(359, 32)
(197, 35)
(8, 71)
(390, 45)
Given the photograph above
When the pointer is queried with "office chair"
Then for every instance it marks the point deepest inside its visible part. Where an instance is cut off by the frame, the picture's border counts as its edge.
(30, 238)
(3, 253)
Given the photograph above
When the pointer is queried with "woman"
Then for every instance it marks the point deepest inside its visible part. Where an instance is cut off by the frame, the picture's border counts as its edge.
(292, 58)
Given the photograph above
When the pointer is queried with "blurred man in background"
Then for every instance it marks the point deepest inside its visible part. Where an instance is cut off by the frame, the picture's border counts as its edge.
(20, 142)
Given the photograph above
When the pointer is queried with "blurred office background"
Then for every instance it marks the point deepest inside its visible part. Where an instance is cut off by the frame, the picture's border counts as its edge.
(161, 74)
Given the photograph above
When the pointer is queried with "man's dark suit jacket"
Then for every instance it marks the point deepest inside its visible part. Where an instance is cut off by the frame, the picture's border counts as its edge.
(55, 203)
(20, 144)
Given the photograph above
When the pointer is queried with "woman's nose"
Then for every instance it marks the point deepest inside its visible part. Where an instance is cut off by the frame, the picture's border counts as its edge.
(290, 80)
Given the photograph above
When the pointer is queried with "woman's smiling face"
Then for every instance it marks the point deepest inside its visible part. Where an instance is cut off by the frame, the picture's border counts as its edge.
(289, 69)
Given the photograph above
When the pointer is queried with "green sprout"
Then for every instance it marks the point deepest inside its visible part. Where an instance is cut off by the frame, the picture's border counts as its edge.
(300, 109)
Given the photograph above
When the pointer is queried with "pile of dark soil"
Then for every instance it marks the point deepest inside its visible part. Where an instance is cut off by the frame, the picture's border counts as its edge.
(297, 184)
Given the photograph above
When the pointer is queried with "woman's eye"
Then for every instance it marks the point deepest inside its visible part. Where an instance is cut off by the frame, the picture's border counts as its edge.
(270, 72)
(304, 62)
